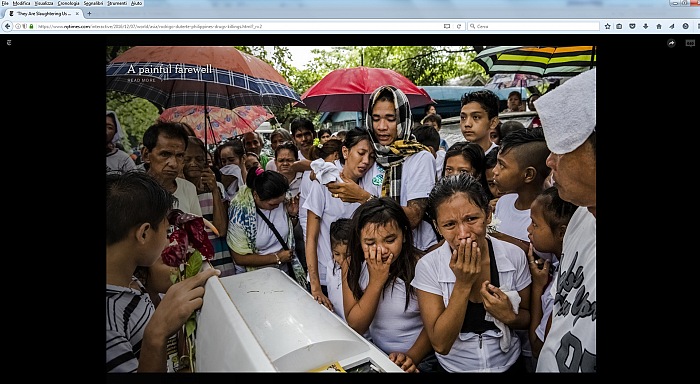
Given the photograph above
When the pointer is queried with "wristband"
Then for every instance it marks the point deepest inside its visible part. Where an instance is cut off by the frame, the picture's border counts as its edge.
(279, 262)
(370, 198)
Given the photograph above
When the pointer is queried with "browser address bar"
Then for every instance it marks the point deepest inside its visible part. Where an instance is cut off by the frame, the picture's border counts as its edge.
(253, 25)
(533, 26)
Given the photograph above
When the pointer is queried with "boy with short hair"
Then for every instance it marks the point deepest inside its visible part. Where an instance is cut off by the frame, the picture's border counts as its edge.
(137, 225)
(520, 173)
(478, 116)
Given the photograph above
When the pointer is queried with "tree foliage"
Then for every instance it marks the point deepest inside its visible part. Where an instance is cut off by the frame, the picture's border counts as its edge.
(424, 65)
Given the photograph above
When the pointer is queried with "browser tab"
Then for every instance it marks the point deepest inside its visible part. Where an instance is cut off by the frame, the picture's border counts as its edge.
(45, 14)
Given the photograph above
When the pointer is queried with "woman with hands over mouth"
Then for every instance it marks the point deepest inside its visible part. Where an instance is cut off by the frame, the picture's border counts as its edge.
(474, 290)
(377, 295)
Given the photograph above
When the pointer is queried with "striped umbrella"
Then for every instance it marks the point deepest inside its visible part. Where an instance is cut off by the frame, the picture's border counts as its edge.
(540, 61)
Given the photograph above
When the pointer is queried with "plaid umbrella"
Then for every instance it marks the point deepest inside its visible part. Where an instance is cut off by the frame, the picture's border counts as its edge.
(172, 76)
(541, 61)
(210, 76)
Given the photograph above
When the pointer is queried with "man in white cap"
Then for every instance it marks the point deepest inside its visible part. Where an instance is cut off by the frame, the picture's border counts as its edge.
(568, 116)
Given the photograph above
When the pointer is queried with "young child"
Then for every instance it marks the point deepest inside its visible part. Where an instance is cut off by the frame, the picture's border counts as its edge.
(520, 173)
(325, 160)
(377, 295)
(549, 216)
(137, 224)
(435, 121)
(340, 234)
(428, 136)
(491, 160)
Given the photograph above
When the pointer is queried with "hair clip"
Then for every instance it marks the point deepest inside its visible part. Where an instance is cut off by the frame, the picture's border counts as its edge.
(258, 171)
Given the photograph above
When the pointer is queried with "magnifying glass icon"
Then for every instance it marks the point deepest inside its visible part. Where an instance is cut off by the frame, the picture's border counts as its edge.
(472, 26)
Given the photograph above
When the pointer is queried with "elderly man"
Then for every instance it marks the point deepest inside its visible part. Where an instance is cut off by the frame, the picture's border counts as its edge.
(568, 116)
(254, 142)
(164, 149)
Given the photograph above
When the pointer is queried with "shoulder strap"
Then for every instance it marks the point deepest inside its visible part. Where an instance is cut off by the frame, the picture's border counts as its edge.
(494, 268)
(272, 227)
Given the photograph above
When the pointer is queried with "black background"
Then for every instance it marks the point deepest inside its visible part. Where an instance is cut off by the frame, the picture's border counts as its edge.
(53, 108)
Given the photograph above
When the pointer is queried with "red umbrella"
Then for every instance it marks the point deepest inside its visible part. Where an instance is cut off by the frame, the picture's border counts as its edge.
(348, 89)
(222, 122)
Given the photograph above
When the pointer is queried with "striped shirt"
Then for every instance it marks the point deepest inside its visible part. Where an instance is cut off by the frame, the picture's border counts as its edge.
(222, 259)
(128, 312)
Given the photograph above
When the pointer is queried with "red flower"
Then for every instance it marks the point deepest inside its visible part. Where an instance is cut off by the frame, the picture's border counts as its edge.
(176, 253)
(198, 237)
(189, 230)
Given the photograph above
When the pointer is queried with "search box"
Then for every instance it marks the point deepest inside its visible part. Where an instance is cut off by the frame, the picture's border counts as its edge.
(533, 26)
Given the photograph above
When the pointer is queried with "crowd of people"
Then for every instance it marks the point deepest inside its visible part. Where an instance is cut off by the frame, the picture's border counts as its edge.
(474, 257)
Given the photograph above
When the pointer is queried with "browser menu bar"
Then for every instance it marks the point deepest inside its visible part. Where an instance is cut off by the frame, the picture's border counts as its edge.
(50, 20)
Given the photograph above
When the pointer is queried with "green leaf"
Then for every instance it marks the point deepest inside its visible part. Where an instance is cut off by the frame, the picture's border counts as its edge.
(190, 326)
(194, 264)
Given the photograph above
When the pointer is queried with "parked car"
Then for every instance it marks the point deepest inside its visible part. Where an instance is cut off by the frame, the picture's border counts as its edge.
(448, 98)
(524, 117)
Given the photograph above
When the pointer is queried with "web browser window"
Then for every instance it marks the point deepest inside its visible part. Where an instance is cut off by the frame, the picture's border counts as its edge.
(142, 59)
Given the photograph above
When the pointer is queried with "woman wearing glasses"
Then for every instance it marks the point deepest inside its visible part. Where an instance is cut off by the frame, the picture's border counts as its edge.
(286, 155)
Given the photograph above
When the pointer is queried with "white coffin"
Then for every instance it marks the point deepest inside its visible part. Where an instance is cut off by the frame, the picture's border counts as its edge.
(263, 321)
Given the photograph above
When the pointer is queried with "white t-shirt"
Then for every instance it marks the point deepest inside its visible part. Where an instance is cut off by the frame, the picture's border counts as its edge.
(417, 180)
(304, 186)
(265, 240)
(547, 301)
(514, 222)
(393, 329)
(334, 285)
(491, 148)
(439, 162)
(471, 353)
(187, 199)
(570, 345)
(329, 209)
